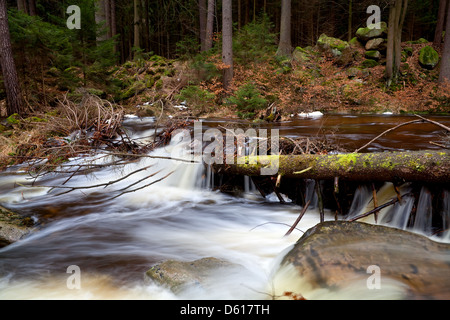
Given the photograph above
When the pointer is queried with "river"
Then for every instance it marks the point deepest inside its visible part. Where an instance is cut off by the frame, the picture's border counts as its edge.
(115, 240)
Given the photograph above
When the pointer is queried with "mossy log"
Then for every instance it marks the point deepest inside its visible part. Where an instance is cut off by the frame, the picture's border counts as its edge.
(425, 166)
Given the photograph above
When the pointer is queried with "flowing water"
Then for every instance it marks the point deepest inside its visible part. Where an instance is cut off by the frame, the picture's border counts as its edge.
(114, 240)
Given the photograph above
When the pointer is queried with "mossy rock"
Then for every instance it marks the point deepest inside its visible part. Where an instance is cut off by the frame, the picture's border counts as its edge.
(354, 42)
(135, 89)
(373, 54)
(419, 41)
(428, 57)
(376, 30)
(329, 43)
(301, 55)
(369, 63)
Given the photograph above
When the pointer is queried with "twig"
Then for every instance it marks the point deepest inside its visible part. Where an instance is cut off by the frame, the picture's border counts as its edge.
(434, 122)
(394, 200)
(298, 219)
(387, 131)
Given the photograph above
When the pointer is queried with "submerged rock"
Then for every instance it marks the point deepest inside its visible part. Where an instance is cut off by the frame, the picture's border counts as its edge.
(335, 253)
(177, 275)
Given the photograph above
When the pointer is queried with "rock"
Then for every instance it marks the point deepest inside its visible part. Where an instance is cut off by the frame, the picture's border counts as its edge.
(376, 44)
(13, 227)
(428, 57)
(301, 55)
(334, 254)
(179, 274)
(376, 30)
(373, 54)
(335, 45)
(369, 63)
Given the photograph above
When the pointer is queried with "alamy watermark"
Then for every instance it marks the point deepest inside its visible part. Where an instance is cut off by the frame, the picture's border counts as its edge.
(242, 147)
(74, 280)
(74, 20)
(374, 281)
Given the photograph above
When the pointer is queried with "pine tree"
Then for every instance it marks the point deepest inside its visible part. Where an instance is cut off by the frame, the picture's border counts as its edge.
(14, 101)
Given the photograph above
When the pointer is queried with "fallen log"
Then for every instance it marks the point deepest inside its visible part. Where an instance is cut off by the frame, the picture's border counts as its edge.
(425, 166)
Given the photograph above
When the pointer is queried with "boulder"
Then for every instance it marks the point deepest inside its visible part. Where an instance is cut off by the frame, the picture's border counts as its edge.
(334, 45)
(376, 44)
(301, 55)
(13, 226)
(369, 63)
(178, 275)
(377, 30)
(428, 57)
(373, 54)
(333, 254)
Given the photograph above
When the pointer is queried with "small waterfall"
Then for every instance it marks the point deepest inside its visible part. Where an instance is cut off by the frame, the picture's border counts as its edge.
(424, 212)
(446, 215)
(360, 201)
(310, 193)
(399, 214)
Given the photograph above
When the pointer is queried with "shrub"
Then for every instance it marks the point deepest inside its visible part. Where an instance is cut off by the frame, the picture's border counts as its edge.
(248, 101)
(196, 97)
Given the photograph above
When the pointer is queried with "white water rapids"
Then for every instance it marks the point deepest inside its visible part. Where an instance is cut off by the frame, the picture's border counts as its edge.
(115, 241)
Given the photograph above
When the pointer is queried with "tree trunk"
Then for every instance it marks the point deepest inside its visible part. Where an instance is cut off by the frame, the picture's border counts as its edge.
(350, 17)
(202, 21)
(444, 75)
(108, 18)
(100, 18)
(32, 7)
(14, 101)
(285, 45)
(137, 33)
(426, 166)
(227, 43)
(22, 6)
(440, 24)
(397, 13)
(209, 25)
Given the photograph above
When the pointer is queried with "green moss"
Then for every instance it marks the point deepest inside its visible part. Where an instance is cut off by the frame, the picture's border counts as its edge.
(13, 119)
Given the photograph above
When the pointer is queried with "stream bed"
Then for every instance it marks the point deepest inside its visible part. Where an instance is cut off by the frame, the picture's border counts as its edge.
(113, 241)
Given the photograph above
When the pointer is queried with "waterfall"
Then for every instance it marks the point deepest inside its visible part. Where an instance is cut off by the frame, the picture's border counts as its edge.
(424, 212)
(446, 215)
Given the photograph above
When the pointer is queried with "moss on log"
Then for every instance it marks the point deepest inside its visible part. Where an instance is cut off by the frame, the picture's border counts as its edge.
(426, 166)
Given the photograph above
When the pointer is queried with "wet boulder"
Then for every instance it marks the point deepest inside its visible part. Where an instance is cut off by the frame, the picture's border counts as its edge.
(178, 275)
(334, 254)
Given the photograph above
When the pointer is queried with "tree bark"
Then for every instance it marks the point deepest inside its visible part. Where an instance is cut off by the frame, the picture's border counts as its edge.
(227, 43)
(444, 75)
(397, 13)
(285, 45)
(426, 166)
(100, 17)
(32, 7)
(137, 33)
(202, 22)
(209, 25)
(440, 24)
(350, 18)
(14, 100)
(22, 6)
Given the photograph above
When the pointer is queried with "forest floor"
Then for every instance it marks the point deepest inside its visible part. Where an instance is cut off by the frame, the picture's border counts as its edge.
(190, 88)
